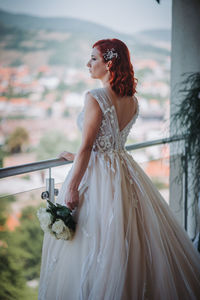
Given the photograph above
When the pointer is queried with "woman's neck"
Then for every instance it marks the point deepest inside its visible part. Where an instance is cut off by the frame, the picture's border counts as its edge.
(106, 84)
(105, 81)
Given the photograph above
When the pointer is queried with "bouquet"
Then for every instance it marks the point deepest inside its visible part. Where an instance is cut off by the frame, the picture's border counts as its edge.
(57, 220)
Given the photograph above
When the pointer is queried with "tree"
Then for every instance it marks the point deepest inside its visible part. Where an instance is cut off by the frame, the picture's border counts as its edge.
(12, 283)
(20, 253)
(4, 209)
(29, 237)
(2, 154)
(18, 138)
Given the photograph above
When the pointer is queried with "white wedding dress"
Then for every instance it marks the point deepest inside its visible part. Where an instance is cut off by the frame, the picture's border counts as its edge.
(128, 244)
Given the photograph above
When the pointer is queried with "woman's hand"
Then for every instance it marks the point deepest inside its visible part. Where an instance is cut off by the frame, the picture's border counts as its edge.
(67, 155)
(72, 198)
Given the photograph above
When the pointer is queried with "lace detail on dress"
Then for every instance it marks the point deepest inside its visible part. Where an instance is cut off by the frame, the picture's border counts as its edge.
(109, 137)
(104, 141)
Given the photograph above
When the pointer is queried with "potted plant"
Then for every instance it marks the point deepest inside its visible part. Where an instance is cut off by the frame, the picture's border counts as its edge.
(186, 121)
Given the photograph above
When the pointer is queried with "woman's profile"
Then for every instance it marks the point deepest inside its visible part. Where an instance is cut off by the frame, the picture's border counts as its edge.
(128, 244)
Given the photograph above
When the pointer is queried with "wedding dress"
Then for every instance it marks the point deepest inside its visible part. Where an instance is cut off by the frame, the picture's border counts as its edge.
(128, 244)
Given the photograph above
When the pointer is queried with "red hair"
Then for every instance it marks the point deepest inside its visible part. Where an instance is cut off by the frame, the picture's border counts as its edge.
(122, 80)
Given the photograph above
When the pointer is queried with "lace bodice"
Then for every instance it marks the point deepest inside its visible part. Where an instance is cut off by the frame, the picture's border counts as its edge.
(109, 137)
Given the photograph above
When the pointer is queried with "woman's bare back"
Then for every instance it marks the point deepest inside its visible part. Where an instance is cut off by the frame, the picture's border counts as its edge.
(125, 108)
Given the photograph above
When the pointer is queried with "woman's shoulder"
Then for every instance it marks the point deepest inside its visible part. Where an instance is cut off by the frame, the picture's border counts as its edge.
(137, 104)
(136, 100)
(96, 91)
(96, 94)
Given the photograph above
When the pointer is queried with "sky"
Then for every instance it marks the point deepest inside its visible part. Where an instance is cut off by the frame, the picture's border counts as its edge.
(128, 16)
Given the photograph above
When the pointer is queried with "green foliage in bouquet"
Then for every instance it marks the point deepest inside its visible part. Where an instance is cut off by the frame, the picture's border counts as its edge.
(61, 212)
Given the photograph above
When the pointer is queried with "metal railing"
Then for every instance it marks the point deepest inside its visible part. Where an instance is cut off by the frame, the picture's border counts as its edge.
(51, 192)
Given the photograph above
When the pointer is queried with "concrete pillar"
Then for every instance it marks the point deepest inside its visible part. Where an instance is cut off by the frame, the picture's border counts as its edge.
(185, 57)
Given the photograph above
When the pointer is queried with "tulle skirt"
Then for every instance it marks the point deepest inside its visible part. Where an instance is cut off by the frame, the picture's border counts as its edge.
(128, 244)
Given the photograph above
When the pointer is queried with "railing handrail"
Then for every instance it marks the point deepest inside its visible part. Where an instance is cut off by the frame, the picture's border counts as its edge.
(50, 163)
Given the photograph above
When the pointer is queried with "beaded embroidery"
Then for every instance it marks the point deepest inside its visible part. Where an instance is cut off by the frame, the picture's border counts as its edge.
(110, 53)
(109, 138)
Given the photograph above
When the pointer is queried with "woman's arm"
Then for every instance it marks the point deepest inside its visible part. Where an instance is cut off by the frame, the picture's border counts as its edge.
(91, 125)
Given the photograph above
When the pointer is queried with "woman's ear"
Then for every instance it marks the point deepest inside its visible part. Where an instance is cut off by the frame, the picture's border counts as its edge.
(109, 63)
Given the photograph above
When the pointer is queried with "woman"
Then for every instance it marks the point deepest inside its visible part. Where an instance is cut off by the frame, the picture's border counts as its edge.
(128, 244)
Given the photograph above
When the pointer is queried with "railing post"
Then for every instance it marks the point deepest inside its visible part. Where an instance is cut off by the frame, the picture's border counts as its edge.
(50, 187)
(50, 192)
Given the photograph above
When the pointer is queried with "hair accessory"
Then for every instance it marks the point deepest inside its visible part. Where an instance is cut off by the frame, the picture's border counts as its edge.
(109, 54)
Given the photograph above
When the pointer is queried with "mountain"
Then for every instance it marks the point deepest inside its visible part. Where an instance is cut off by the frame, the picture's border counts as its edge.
(161, 35)
(28, 22)
(63, 41)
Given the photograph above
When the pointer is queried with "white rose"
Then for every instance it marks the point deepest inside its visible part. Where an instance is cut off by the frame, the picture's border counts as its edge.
(67, 234)
(41, 211)
(58, 226)
(45, 218)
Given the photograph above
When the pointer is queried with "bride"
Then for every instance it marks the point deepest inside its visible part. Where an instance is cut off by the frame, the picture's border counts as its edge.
(128, 244)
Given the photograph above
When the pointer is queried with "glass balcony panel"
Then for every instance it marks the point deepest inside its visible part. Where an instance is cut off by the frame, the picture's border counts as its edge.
(155, 163)
(21, 243)
(32, 180)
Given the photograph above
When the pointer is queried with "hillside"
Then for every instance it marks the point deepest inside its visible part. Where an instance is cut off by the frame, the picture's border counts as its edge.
(62, 41)
(163, 35)
(28, 22)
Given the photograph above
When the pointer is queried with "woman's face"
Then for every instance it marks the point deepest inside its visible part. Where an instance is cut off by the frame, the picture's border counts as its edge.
(97, 67)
